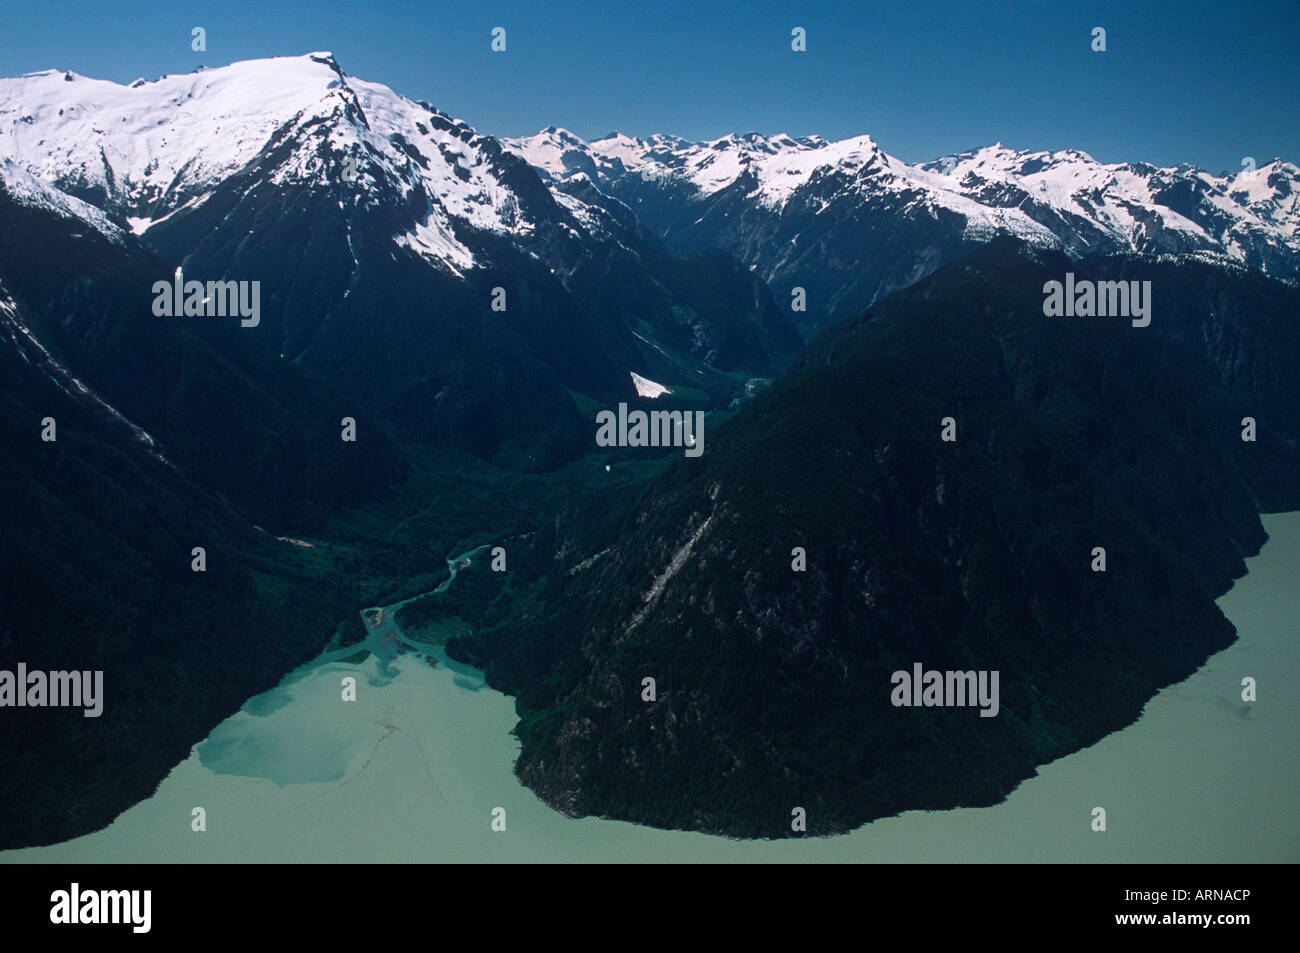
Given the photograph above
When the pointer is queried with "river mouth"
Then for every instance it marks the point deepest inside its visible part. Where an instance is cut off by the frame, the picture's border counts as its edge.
(415, 768)
(254, 744)
(251, 745)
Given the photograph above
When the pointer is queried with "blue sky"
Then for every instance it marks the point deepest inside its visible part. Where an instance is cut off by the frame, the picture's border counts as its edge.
(1185, 81)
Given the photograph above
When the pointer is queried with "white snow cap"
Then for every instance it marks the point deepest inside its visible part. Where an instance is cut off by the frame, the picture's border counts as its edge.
(152, 147)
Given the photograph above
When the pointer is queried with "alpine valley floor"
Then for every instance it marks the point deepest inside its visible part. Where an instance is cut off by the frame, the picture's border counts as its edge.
(413, 770)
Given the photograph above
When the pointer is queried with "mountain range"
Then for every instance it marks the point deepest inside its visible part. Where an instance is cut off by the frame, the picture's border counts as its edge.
(850, 223)
(470, 303)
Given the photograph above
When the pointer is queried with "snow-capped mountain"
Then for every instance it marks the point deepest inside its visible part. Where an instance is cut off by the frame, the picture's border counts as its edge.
(829, 215)
(146, 150)
(379, 229)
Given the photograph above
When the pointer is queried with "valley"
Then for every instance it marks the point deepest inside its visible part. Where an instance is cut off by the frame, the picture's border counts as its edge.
(416, 339)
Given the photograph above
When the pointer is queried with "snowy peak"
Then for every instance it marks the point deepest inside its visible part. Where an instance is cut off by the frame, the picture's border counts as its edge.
(1272, 188)
(135, 145)
(1132, 202)
(144, 151)
(556, 152)
(772, 165)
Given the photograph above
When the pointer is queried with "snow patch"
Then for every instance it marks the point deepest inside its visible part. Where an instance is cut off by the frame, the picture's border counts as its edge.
(646, 387)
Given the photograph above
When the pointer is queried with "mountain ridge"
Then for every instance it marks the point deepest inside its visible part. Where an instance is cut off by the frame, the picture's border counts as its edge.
(976, 554)
(804, 212)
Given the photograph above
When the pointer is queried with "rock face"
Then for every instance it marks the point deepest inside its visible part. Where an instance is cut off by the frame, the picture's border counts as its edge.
(773, 686)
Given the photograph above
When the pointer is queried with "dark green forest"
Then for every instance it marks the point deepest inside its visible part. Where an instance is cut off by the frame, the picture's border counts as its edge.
(773, 685)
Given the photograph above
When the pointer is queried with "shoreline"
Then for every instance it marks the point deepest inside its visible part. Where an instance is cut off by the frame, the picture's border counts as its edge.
(426, 754)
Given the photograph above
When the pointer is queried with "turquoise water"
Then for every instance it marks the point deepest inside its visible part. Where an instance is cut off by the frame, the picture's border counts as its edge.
(413, 770)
